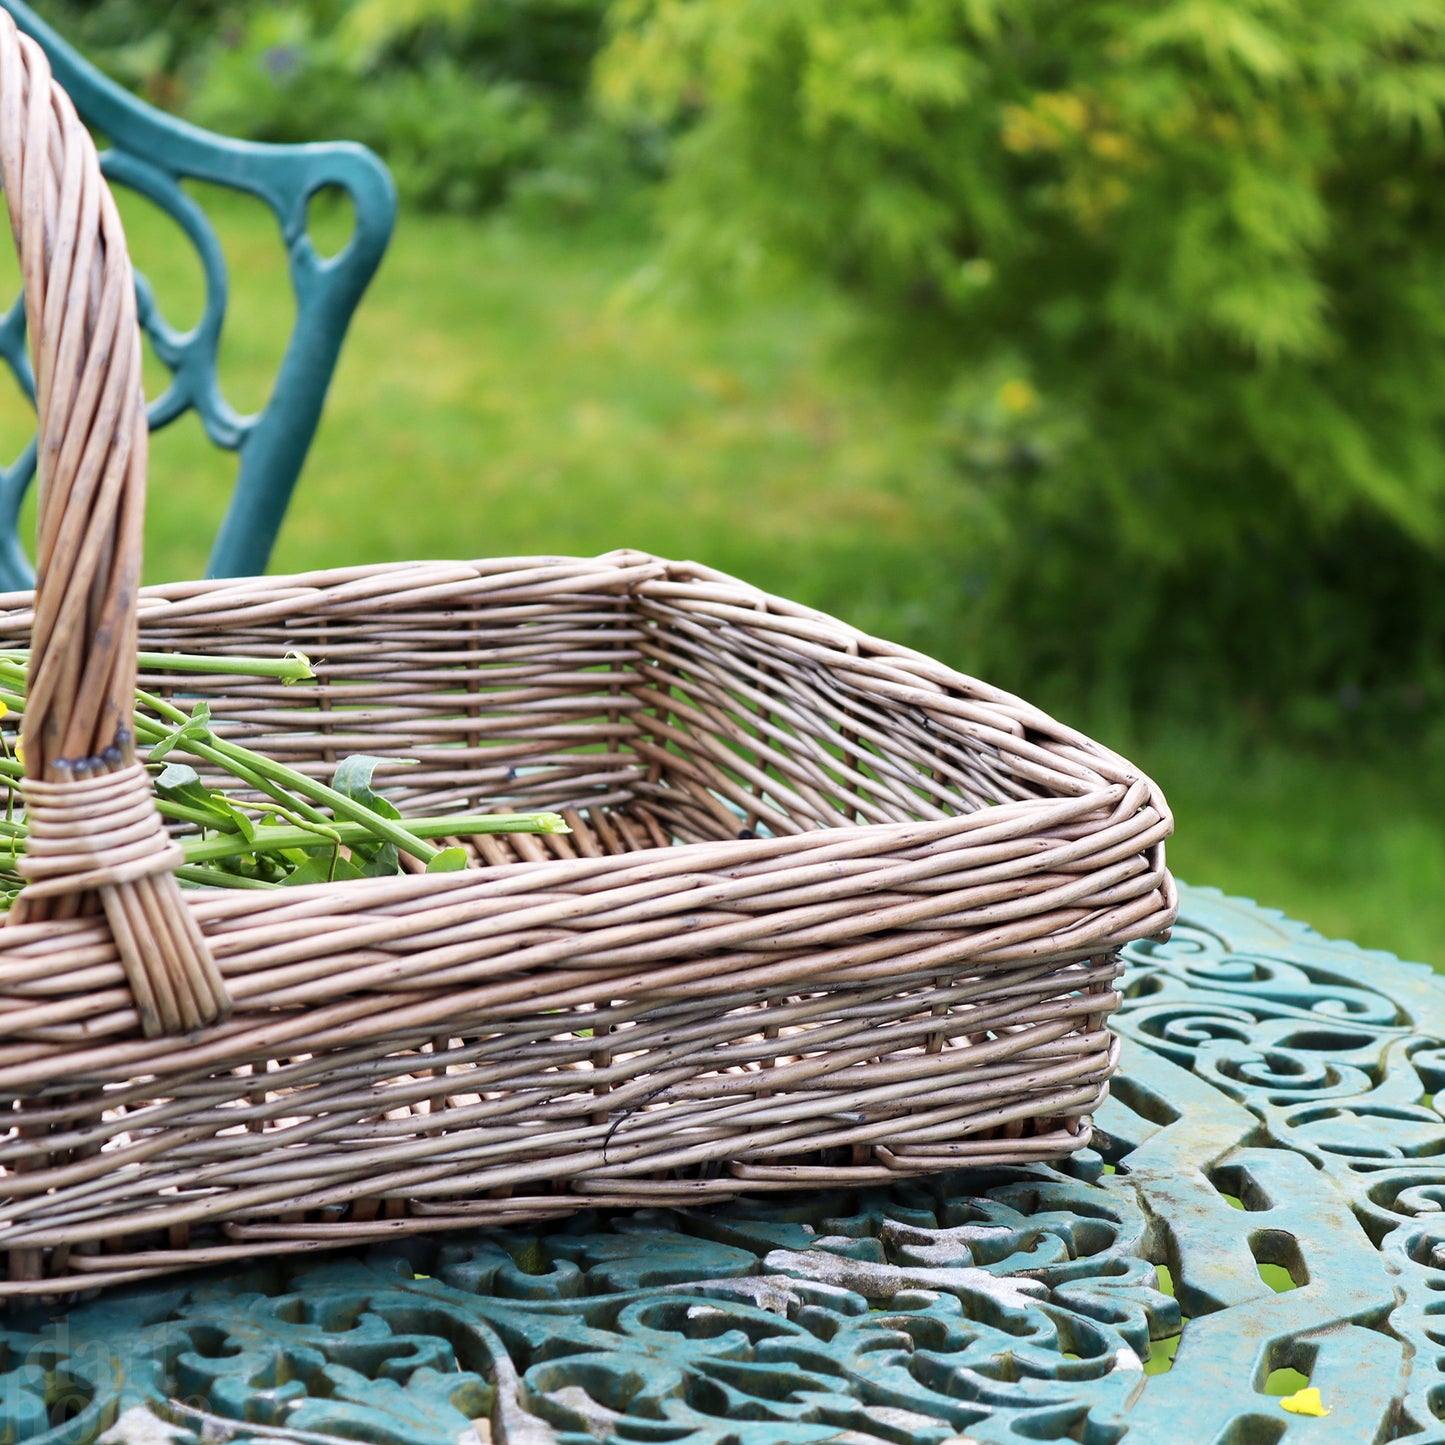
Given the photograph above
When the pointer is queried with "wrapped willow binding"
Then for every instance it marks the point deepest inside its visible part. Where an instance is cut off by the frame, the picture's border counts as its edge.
(831, 913)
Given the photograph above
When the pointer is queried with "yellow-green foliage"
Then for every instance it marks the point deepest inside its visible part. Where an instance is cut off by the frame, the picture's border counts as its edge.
(1199, 241)
(469, 101)
(1233, 193)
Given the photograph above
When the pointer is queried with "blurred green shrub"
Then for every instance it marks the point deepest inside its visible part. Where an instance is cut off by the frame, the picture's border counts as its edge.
(454, 141)
(142, 43)
(467, 100)
(1176, 269)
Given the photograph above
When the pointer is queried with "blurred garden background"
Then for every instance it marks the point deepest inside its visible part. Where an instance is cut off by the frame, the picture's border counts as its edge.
(1096, 347)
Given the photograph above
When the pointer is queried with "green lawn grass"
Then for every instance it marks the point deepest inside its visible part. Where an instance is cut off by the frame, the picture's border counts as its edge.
(1353, 845)
(510, 389)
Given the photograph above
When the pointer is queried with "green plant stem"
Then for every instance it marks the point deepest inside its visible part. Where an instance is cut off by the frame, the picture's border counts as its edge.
(238, 762)
(200, 818)
(216, 878)
(272, 776)
(298, 796)
(275, 839)
(294, 667)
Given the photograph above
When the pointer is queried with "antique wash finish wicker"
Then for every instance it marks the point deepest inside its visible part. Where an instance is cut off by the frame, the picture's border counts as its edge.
(830, 913)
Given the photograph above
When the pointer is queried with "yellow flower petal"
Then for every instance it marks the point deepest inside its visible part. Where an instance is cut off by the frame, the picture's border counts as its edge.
(1305, 1402)
(1017, 396)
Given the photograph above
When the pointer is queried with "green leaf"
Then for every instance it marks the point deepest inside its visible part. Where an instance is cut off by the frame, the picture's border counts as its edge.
(353, 777)
(323, 868)
(195, 728)
(175, 778)
(243, 824)
(449, 860)
(313, 870)
(183, 785)
(381, 862)
(180, 783)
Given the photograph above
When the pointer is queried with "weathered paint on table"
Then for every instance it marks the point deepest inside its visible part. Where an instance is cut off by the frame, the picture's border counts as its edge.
(1274, 1125)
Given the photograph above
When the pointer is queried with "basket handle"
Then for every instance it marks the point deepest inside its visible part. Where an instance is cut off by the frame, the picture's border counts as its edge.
(95, 833)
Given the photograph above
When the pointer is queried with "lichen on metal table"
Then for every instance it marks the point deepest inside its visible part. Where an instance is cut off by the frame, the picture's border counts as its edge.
(1264, 1205)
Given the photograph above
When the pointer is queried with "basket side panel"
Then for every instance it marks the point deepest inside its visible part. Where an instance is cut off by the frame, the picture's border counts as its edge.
(627, 1100)
(802, 724)
(491, 703)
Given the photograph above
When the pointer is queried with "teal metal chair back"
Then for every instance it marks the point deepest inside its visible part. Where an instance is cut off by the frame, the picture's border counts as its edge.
(151, 153)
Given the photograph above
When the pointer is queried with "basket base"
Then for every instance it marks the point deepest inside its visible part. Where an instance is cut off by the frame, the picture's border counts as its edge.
(70, 1273)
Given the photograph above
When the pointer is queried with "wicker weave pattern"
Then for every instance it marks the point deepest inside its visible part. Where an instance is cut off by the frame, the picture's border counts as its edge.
(887, 945)
(840, 1000)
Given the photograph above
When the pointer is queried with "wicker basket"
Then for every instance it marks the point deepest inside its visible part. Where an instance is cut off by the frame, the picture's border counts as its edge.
(887, 943)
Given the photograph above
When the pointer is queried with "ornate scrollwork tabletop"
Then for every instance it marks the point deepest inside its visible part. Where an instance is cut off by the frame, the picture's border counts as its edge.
(1265, 1210)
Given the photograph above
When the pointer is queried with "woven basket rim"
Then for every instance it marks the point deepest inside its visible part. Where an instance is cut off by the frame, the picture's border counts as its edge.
(285, 594)
(719, 856)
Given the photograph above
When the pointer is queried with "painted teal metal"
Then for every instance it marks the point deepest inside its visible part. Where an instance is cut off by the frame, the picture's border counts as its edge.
(1275, 1122)
(151, 153)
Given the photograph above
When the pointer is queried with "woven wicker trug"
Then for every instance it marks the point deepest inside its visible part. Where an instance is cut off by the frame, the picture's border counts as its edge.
(831, 912)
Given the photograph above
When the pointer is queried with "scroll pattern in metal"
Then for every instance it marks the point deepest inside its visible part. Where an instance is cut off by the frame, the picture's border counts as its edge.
(151, 153)
(1276, 1109)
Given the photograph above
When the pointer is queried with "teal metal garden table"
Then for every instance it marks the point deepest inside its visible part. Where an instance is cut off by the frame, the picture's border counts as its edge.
(1264, 1205)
